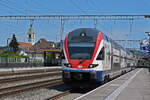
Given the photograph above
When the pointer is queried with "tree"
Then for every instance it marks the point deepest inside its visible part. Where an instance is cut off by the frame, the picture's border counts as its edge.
(14, 44)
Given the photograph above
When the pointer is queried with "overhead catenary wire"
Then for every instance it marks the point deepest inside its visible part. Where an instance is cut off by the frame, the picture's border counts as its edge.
(24, 8)
(78, 7)
(90, 5)
(2, 3)
(94, 5)
(40, 6)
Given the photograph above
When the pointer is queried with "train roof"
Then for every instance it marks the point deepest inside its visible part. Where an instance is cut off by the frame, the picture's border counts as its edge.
(92, 31)
(116, 45)
(81, 33)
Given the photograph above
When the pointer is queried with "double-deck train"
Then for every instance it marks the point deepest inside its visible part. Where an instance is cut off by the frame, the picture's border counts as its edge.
(89, 56)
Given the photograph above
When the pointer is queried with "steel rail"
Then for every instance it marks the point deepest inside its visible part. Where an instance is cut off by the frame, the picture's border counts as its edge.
(59, 95)
(21, 88)
(29, 77)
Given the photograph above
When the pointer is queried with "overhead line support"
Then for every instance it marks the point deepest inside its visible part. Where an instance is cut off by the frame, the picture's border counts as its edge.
(75, 17)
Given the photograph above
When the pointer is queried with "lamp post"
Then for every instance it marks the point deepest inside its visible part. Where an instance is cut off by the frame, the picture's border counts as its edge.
(7, 51)
(148, 50)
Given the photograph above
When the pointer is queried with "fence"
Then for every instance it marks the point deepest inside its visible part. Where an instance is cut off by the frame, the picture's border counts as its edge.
(27, 62)
(19, 60)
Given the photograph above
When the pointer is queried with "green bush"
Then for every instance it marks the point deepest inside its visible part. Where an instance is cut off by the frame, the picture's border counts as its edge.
(13, 56)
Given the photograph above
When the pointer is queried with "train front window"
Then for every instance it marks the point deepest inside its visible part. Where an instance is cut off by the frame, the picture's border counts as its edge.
(81, 50)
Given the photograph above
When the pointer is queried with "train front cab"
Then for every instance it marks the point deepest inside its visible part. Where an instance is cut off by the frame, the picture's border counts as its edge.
(91, 77)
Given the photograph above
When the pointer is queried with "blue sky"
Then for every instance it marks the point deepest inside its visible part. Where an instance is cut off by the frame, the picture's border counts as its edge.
(50, 29)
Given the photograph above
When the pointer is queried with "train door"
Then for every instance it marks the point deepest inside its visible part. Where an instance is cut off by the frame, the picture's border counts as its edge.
(111, 56)
(107, 60)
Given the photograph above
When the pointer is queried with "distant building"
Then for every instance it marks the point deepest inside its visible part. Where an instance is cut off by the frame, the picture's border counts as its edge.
(31, 35)
(39, 49)
(42, 44)
(24, 48)
(2, 49)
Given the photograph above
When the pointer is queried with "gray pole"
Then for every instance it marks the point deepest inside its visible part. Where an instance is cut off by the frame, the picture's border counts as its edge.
(7, 52)
(61, 33)
(95, 23)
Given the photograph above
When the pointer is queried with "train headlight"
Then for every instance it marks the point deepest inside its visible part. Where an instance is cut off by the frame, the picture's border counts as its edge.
(68, 65)
(93, 65)
(82, 34)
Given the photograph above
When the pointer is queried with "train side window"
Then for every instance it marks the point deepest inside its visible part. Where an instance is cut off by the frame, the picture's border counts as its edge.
(101, 54)
(107, 39)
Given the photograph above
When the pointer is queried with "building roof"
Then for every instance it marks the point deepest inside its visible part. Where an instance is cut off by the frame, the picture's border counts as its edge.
(2, 49)
(42, 44)
(24, 45)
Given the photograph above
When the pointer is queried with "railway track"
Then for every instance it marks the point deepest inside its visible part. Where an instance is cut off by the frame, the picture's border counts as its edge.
(69, 93)
(4, 92)
(29, 77)
(24, 87)
(59, 95)
(20, 81)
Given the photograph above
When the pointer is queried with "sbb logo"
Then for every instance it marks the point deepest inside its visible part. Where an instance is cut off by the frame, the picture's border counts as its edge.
(80, 66)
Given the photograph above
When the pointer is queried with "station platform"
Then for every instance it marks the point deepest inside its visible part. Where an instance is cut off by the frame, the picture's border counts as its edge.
(20, 70)
(134, 85)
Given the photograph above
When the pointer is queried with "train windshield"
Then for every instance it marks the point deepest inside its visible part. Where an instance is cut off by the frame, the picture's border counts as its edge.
(80, 50)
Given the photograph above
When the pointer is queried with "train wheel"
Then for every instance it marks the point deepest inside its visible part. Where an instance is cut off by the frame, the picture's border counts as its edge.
(109, 79)
(122, 72)
(106, 78)
(125, 71)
